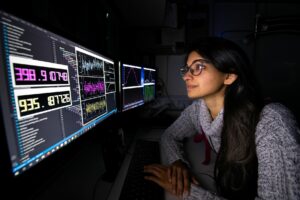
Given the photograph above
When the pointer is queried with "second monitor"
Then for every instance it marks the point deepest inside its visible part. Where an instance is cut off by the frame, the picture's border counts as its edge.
(137, 86)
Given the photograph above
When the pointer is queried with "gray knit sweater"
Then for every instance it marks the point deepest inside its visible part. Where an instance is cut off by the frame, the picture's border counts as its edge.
(277, 146)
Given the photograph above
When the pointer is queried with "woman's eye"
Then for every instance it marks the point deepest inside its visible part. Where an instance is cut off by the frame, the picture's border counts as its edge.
(198, 66)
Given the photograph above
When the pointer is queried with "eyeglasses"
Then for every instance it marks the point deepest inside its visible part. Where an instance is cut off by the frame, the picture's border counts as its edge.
(195, 68)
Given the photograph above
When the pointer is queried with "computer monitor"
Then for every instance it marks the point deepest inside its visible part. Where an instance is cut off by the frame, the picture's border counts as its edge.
(132, 86)
(52, 91)
(149, 84)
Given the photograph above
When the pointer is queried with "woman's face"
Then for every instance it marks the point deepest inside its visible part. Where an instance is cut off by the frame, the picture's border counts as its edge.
(210, 82)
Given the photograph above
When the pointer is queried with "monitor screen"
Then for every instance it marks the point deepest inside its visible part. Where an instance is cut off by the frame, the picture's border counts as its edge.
(149, 84)
(132, 86)
(52, 90)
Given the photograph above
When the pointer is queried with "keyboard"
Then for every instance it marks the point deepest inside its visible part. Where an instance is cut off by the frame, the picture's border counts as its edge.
(135, 187)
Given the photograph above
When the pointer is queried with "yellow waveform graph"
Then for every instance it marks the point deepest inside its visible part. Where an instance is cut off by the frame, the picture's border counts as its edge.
(95, 107)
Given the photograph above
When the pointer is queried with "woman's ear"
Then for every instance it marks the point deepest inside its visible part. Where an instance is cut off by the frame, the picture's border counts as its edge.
(230, 78)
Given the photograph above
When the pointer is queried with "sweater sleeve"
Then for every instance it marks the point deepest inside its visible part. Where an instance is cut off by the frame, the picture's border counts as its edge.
(172, 139)
(278, 153)
(278, 170)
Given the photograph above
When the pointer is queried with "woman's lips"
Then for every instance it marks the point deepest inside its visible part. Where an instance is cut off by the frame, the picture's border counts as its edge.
(190, 87)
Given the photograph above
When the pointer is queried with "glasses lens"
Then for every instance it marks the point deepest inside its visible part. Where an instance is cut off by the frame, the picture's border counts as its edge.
(196, 68)
(184, 70)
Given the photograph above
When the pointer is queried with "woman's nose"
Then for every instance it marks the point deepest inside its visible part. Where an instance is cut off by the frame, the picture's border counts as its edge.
(187, 76)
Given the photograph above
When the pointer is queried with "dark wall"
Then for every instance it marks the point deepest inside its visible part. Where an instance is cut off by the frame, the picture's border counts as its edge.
(90, 24)
(269, 31)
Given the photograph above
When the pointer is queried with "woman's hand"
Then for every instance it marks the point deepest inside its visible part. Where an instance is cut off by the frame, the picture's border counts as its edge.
(158, 174)
(175, 178)
(180, 177)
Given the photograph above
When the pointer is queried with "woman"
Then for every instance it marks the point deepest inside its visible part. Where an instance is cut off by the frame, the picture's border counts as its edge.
(258, 151)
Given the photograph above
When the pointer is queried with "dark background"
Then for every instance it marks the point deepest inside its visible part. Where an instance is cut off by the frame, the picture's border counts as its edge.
(155, 33)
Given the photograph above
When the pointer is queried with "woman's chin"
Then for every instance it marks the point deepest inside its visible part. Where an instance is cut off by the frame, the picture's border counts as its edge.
(192, 95)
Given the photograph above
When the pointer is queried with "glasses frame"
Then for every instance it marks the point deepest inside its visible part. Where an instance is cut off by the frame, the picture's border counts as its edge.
(188, 68)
